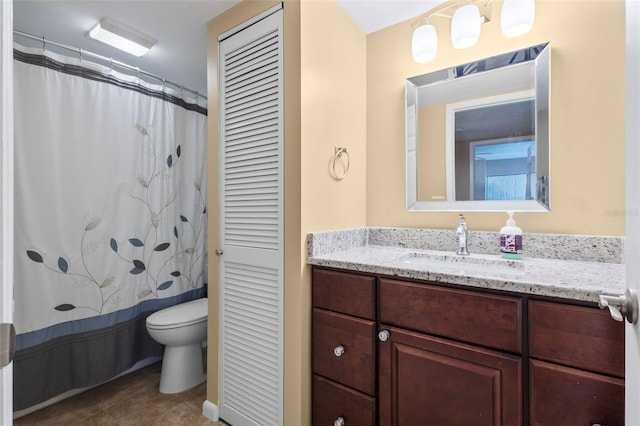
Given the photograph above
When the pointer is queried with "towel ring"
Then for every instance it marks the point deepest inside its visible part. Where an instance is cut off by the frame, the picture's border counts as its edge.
(338, 153)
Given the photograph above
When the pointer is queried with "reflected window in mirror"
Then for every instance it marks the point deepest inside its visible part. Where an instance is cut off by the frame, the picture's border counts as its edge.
(501, 171)
(494, 148)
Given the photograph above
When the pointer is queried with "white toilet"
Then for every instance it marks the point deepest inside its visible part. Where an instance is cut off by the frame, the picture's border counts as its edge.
(183, 330)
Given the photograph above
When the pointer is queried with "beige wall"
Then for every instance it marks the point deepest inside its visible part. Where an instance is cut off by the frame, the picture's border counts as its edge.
(325, 107)
(333, 63)
(587, 99)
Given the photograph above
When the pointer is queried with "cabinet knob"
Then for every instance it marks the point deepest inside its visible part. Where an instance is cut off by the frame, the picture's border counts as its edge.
(339, 351)
(339, 422)
(383, 336)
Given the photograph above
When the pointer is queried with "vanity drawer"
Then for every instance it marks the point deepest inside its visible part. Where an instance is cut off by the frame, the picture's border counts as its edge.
(566, 396)
(577, 336)
(469, 316)
(347, 293)
(332, 401)
(355, 366)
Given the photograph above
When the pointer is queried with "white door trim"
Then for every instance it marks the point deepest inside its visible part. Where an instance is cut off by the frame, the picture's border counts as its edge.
(632, 204)
(6, 197)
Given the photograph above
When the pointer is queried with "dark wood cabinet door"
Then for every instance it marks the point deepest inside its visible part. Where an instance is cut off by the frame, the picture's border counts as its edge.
(570, 397)
(332, 401)
(354, 365)
(428, 381)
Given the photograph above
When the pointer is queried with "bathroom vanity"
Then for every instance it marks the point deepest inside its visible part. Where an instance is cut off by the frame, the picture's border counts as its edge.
(397, 342)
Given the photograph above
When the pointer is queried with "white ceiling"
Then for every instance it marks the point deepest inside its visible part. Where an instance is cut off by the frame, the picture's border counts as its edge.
(374, 15)
(179, 25)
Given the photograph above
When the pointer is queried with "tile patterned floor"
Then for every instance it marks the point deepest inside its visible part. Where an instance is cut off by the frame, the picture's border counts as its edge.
(130, 400)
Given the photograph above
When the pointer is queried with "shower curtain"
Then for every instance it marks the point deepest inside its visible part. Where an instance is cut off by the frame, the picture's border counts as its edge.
(110, 185)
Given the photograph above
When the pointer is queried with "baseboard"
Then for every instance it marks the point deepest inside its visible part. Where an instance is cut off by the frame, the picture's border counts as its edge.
(211, 411)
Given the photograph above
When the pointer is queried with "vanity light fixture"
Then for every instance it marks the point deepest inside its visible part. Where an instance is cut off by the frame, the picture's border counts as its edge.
(467, 17)
(424, 44)
(517, 17)
(121, 36)
(465, 26)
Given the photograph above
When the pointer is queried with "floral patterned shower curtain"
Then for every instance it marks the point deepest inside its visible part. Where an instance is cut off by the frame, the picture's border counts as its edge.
(110, 219)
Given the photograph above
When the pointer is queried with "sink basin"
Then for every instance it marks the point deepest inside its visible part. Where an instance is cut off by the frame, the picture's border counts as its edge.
(473, 261)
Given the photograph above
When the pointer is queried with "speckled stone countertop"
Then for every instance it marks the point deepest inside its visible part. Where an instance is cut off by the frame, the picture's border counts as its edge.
(569, 267)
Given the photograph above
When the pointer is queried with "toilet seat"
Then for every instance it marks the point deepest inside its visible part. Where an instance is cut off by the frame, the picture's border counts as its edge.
(181, 315)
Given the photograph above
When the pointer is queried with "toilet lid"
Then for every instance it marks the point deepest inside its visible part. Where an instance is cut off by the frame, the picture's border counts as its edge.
(181, 314)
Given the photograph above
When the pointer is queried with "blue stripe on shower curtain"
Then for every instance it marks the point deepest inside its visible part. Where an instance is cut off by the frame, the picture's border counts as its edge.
(37, 337)
(110, 226)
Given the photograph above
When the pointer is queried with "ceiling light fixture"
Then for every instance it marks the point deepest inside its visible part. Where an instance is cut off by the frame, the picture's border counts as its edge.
(122, 37)
(467, 17)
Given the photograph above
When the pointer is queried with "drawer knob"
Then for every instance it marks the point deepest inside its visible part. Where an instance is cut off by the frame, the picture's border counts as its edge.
(339, 351)
(383, 336)
(339, 422)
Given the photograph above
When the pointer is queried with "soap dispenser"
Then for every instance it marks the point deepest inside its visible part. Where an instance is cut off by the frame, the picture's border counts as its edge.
(511, 239)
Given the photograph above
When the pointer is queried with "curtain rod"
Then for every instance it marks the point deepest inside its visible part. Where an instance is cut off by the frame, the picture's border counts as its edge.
(111, 61)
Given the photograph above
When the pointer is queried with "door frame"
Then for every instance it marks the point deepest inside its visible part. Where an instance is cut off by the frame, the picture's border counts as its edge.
(6, 197)
(632, 203)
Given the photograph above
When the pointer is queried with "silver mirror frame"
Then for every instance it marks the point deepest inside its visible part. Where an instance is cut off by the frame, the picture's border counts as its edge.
(541, 64)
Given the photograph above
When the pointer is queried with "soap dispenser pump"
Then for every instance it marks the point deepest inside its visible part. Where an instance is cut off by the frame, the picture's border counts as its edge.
(511, 239)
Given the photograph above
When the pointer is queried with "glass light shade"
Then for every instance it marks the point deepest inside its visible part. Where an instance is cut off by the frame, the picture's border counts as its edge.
(424, 44)
(517, 17)
(465, 26)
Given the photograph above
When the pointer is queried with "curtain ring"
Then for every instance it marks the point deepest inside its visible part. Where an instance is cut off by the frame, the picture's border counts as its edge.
(336, 156)
(44, 44)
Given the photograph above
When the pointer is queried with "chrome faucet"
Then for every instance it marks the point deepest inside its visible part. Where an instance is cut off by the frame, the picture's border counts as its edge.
(462, 232)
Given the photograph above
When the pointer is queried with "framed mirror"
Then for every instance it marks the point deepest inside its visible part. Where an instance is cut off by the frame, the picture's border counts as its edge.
(477, 135)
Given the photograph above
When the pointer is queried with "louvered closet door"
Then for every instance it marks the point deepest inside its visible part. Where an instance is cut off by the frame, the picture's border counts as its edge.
(251, 219)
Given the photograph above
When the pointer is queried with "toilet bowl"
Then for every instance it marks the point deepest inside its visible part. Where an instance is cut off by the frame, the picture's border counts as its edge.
(183, 330)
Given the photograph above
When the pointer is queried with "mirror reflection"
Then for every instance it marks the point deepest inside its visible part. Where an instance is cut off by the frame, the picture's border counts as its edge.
(495, 162)
(477, 135)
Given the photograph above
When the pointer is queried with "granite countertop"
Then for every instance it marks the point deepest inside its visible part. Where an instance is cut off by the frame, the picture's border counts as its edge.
(585, 280)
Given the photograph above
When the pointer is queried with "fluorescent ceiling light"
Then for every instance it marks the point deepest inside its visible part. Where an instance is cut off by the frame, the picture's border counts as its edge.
(122, 37)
